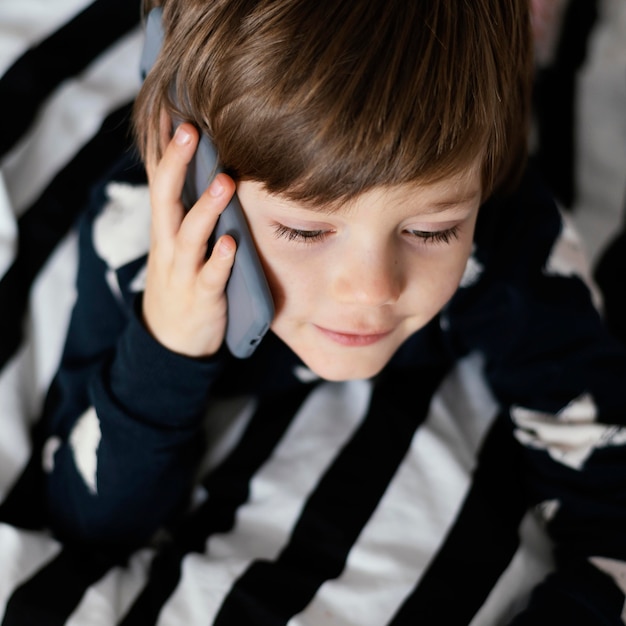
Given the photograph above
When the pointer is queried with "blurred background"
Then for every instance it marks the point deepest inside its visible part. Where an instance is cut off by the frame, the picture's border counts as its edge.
(579, 135)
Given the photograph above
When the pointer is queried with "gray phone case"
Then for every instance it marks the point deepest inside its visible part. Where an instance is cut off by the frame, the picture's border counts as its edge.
(250, 305)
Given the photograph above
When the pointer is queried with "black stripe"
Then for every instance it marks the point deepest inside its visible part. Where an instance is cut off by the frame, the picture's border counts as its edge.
(49, 219)
(228, 487)
(54, 592)
(30, 80)
(480, 544)
(270, 593)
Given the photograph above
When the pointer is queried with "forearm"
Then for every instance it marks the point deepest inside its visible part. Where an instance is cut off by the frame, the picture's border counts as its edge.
(128, 461)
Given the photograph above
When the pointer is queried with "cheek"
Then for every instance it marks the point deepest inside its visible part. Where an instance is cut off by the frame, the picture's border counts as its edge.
(289, 280)
(272, 268)
(276, 283)
(437, 279)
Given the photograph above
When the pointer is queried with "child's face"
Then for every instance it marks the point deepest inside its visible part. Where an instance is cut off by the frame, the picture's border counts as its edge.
(350, 286)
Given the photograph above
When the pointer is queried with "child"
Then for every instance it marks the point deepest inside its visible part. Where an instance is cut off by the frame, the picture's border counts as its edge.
(378, 151)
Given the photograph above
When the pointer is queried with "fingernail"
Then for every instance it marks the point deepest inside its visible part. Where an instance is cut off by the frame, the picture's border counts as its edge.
(224, 248)
(216, 188)
(182, 136)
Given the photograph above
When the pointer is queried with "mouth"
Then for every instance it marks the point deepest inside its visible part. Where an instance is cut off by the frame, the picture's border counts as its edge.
(354, 339)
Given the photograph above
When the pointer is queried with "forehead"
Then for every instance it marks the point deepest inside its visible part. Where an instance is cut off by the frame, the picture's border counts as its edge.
(458, 189)
(429, 197)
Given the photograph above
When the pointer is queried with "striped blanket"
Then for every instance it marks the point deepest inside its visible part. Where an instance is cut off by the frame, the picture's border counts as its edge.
(68, 75)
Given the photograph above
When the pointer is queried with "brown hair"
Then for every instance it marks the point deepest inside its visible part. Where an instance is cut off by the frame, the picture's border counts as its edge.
(321, 100)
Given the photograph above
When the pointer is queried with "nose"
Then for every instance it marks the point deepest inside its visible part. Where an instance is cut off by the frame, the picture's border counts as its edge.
(368, 277)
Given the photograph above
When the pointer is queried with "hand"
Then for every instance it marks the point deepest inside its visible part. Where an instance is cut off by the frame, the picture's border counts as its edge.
(184, 303)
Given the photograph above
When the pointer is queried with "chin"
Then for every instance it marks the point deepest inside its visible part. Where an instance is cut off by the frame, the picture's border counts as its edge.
(337, 370)
(336, 363)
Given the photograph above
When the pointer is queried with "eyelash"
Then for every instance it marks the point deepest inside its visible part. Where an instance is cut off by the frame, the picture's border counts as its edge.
(305, 236)
(437, 236)
(313, 236)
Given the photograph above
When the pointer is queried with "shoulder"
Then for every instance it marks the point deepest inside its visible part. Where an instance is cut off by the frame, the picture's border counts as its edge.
(527, 281)
(525, 236)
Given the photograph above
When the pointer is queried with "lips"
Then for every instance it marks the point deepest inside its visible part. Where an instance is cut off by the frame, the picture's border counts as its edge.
(354, 339)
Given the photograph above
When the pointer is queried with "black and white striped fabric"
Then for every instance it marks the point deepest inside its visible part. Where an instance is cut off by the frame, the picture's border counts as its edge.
(441, 493)
(68, 76)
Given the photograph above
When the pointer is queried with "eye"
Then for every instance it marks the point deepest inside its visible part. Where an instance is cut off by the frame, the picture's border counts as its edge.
(295, 234)
(436, 236)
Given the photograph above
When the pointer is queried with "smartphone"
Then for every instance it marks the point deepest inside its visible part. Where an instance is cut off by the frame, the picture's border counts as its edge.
(250, 304)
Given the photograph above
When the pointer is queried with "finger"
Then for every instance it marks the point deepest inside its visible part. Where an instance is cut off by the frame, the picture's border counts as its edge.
(217, 269)
(168, 181)
(156, 145)
(199, 223)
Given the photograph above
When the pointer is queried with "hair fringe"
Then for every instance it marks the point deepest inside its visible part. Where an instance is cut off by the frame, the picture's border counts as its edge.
(321, 100)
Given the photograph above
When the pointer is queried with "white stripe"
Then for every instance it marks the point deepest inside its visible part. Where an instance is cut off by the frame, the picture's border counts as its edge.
(23, 554)
(70, 119)
(416, 512)
(53, 295)
(8, 229)
(15, 442)
(121, 231)
(84, 442)
(616, 570)
(224, 425)
(24, 23)
(531, 563)
(325, 422)
(569, 257)
(112, 596)
(25, 379)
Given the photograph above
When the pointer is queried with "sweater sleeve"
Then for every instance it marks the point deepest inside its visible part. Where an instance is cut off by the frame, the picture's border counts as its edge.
(561, 378)
(123, 417)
